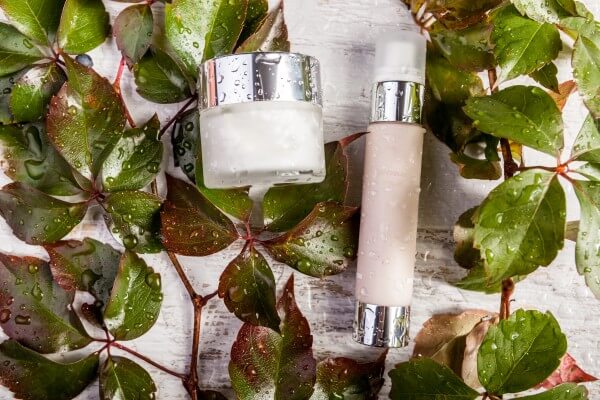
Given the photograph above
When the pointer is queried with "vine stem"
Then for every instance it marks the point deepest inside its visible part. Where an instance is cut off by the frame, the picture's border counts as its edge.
(510, 168)
(117, 87)
(147, 360)
(178, 115)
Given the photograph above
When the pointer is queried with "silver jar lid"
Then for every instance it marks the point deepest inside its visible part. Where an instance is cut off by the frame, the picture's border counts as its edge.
(248, 77)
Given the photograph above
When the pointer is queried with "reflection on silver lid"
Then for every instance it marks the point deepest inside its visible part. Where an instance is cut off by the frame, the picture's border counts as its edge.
(381, 326)
(276, 76)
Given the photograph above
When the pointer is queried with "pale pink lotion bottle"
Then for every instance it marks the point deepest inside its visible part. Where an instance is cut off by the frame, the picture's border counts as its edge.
(391, 186)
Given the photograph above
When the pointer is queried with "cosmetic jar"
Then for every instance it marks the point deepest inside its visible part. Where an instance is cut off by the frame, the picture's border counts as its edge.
(261, 120)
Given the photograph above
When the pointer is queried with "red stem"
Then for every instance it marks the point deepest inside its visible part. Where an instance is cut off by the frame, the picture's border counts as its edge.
(177, 116)
(117, 86)
(148, 360)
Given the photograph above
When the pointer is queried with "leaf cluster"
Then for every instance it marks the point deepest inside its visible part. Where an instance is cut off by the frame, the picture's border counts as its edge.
(456, 355)
(521, 224)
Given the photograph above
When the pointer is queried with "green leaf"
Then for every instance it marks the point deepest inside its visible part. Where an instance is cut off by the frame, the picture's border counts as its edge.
(37, 19)
(267, 364)
(257, 12)
(450, 84)
(520, 352)
(33, 91)
(551, 11)
(134, 218)
(521, 224)
(546, 76)
(121, 378)
(87, 265)
(590, 171)
(7, 84)
(159, 79)
(86, 119)
(35, 310)
(522, 45)
(344, 378)
(133, 29)
(476, 168)
(33, 377)
(567, 391)
(285, 206)
(192, 225)
(16, 50)
(84, 25)
(524, 114)
(30, 158)
(248, 288)
(587, 252)
(271, 35)
(586, 56)
(468, 49)
(135, 299)
(135, 160)
(478, 281)
(198, 31)
(424, 379)
(187, 153)
(37, 218)
(322, 244)
(587, 143)
(465, 254)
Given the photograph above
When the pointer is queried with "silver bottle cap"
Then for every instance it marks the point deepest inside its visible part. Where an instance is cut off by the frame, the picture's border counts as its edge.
(381, 326)
(396, 101)
(248, 77)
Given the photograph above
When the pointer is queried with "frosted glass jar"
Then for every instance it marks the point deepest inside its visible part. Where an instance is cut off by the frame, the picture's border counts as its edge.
(261, 120)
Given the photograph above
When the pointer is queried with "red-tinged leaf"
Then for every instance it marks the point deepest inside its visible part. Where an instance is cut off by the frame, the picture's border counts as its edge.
(322, 244)
(271, 35)
(33, 377)
(37, 218)
(565, 90)
(455, 14)
(472, 343)
(344, 378)
(86, 119)
(443, 337)
(567, 372)
(192, 225)
(257, 12)
(133, 29)
(248, 288)
(285, 206)
(135, 299)
(267, 364)
(35, 310)
(87, 265)
(29, 157)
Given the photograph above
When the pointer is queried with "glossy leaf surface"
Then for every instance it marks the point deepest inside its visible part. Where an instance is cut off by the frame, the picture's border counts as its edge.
(135, 299)
(134, 218)
(322, 244)
(86, 119)
(84, 25)
(247, 287)
(121, 378)
(133, 29)
(521, 224)
(135, 160)
(33, 377)
(37, 19)
(37, 218)
(192, 225)
(30, 157)
(520, 352)
(16, 50)
(33, 91)
(35, 310)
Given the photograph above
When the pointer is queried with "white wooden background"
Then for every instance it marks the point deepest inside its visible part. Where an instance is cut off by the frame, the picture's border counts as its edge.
(341, 34)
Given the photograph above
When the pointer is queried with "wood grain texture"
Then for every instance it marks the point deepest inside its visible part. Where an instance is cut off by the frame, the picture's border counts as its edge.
(341, 34)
